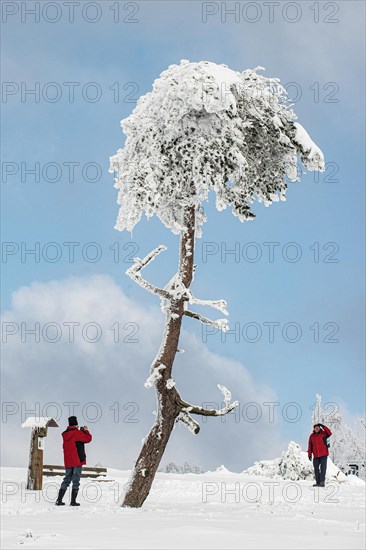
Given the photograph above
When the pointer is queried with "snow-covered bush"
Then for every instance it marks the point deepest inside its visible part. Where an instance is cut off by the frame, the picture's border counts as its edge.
(293, 465)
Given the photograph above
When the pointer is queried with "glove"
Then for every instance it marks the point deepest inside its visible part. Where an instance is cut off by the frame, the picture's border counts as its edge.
(309, 457)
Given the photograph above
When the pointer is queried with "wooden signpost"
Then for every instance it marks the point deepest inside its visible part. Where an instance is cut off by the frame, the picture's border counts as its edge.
(39, 426)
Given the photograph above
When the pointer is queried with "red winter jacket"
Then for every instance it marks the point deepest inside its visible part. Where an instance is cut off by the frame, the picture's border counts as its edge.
(74, 451)
(317, 442)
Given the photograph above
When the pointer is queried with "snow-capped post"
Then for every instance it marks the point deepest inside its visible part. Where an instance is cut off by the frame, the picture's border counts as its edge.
(39, 425)
(202, 127)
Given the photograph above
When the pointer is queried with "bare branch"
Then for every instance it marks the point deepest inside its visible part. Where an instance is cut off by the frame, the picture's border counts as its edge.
(221, 324)
(133, 273)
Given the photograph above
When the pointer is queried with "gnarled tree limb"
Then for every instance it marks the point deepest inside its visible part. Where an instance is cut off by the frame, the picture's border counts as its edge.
(193, 409)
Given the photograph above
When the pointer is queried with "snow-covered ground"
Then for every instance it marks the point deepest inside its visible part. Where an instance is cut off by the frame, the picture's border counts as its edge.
(211, 510)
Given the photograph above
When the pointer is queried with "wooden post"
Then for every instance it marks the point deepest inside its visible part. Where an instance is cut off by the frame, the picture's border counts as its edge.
(39, 427)
(35, 468)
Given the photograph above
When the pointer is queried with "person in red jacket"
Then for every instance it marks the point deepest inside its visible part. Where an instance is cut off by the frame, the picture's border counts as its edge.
(318, 447)
(74, 458)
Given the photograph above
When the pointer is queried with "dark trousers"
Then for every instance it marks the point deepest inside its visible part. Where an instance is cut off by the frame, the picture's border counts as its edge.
(72, 475)
(320, 467)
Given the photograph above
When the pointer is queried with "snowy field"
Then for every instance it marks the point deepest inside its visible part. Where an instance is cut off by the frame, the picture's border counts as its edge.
(218, 510)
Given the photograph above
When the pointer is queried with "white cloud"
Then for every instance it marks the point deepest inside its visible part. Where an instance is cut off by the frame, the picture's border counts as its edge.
(112, 375)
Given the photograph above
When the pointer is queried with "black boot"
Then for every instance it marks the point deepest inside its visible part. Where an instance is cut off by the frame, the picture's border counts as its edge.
(322, 484)
(74, 494)
(61, 495)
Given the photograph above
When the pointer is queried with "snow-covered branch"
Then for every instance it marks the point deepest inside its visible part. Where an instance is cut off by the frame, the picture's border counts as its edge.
(311, 156)
(193, 409)
(134, 273)
(221, 324)
(221, 305)
(188, 421)
(175, 287)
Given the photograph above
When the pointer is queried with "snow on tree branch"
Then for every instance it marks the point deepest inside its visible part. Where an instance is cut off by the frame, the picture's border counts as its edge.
(170, 383)
(227, 395)
(221, 305)
(311, 155)
(175, 290)
(188, 421)
(206, 127)
(175, 287)
(154, 376)
(221, 324)
(228, 407)
(133, 273)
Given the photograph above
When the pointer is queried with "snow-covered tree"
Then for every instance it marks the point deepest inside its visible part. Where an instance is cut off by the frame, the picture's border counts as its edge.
(347, 447)
(202, 127)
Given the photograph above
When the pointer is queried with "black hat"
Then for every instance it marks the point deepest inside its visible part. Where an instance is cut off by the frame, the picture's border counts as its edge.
(73, 421)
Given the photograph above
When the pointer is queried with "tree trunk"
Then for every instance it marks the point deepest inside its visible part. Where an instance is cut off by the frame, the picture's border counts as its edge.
(168, 407)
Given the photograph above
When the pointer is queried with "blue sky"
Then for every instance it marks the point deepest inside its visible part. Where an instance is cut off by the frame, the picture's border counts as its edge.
(324, 59)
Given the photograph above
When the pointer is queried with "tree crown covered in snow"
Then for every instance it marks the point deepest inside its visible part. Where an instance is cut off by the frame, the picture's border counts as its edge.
(206, 127)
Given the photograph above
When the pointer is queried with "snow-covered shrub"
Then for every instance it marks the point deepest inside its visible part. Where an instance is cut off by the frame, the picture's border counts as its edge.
(293, 465)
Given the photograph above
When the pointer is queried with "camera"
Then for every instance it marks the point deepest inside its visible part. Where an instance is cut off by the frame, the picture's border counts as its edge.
(81, 428)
